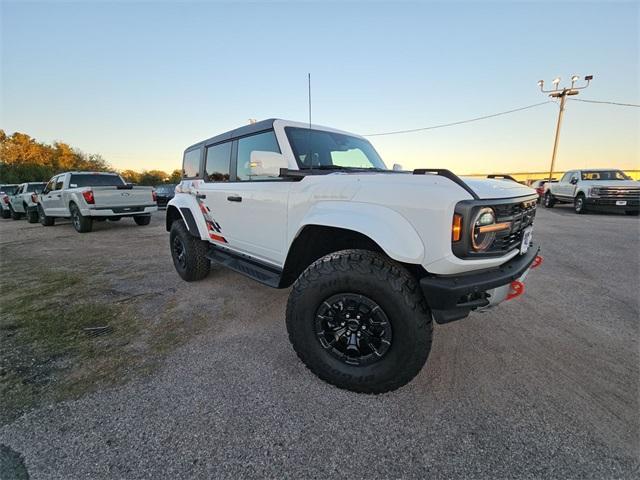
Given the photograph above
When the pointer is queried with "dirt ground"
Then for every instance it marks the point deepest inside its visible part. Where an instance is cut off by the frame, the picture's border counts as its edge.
(114, 367)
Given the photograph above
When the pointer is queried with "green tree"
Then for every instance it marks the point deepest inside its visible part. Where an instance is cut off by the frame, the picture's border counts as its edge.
(176, 176)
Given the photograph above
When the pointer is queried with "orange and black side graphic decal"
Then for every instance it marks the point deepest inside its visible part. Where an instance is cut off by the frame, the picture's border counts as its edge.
(213, 228)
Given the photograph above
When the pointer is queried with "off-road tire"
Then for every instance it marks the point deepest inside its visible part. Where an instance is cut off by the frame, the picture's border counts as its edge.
(14, 215)
(81, 223)
(6, 213)
(32, 216)
(142, 219)
(194, 265)
(549, 200)
(579, 204)
(44, 220)
(392, 288)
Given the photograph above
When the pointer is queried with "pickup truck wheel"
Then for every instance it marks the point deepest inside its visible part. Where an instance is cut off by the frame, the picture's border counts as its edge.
(81, 223)
(44, 220)
(579, 204)
(142, 219)
(359, 321)
(32, 216)
(6, 213)
(14, 215)
(188, 253)
(549, 201)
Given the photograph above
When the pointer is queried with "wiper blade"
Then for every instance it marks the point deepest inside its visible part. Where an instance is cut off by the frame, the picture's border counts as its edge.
(339, 167)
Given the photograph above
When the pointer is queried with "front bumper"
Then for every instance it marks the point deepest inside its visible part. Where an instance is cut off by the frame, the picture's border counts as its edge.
(610, 203)
(453, 297)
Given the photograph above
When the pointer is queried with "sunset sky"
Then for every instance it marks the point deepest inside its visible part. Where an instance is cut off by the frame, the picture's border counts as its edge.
(139, 82)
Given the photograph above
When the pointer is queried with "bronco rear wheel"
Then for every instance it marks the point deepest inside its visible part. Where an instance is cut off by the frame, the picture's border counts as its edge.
(359, 321)
(189, 253)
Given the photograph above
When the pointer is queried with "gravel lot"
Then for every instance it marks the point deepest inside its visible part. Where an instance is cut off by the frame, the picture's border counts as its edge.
(544, 387)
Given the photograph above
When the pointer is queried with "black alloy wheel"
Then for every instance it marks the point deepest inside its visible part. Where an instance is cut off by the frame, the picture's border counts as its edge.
(353, 328)
(179, 252)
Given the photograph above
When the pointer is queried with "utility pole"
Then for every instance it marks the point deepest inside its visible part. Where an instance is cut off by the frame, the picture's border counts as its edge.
(562, 94)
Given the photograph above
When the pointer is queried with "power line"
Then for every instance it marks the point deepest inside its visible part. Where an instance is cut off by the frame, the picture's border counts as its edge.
(459, 122)
(604, 102)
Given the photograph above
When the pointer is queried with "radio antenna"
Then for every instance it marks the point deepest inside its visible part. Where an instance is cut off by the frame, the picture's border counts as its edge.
(309, 156)
(309, 83)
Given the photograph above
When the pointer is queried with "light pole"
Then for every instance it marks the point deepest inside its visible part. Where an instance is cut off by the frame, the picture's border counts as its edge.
(562, 94)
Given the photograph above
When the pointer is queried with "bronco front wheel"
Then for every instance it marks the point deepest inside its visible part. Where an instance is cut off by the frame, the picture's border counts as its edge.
(359, 321)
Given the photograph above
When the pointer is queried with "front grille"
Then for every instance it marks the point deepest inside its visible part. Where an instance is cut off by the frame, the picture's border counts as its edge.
(521, 215)
(619, 193)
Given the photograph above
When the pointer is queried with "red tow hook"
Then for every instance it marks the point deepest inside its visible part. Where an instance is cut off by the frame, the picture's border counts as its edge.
(517, 289)
(537, 261)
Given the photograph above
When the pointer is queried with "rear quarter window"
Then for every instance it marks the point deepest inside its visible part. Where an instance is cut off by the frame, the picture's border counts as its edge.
(191, 164)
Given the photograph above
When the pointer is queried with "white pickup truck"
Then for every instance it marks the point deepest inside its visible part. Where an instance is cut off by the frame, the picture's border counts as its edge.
(88, 196)
(24, 201)
(595, 189)
(372, 254)
(5, 191)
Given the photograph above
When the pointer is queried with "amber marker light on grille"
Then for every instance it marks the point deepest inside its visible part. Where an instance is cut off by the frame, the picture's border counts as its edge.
(495, 227)
(456, 228)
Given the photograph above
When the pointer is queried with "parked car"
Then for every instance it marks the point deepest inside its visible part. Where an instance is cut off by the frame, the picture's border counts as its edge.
(595, 189)
(164, 193)
(538, 186)
(5, 191)
(24, 201)
(373, 254)
(85, 196)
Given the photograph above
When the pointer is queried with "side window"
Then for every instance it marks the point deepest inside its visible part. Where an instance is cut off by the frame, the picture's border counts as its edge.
(191, 164)
(565, 178)
(217, 166)
(265, 141)
(51, 185)
(59, 182)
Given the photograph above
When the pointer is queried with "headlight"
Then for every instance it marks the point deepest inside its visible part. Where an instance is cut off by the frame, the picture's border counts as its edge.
(481, 236)
(594, 192)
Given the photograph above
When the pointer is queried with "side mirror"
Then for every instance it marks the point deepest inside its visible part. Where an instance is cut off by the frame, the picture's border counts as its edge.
(45, 191)
(266, 164)
(397, 167)
(573, 181)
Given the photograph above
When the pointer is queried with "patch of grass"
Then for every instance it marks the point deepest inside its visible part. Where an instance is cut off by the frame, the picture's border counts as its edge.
(47, 356)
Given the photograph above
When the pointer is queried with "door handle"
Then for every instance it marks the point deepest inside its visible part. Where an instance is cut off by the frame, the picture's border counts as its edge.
(234, 198)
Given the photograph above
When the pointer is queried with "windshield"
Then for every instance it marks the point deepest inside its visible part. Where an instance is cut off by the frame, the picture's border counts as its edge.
(95, 180)
(8, 189)
(322, 149)
(35, 187)
(604, 175)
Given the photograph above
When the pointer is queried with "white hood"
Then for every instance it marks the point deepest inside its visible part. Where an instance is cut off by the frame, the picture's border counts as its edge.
(610, 183)
(490, 188)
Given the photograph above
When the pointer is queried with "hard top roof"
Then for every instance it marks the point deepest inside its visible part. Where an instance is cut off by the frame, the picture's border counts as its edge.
(238, 132)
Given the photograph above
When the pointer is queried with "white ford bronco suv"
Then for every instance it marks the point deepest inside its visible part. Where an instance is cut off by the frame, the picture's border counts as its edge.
(595, 189)
(88, 196)
(373, 255)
